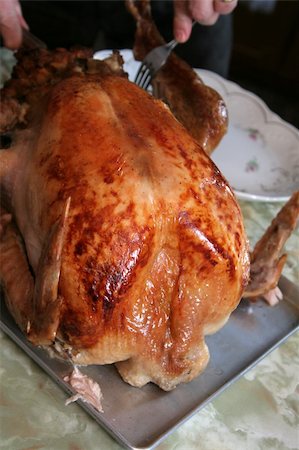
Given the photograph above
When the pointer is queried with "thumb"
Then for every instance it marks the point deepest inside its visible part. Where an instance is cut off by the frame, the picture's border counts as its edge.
(22, 21)
(182, 22)
(10, 27)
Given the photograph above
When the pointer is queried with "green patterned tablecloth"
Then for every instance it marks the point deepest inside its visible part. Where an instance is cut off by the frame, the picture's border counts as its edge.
(258, 412)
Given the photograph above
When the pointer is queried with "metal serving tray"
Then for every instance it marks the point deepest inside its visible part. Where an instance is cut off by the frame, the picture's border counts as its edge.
(141, 418)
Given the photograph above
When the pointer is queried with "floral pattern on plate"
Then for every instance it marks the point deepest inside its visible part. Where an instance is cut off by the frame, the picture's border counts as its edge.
(260, 153)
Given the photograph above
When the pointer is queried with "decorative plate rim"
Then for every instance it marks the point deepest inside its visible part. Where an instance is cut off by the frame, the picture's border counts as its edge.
(230, 88)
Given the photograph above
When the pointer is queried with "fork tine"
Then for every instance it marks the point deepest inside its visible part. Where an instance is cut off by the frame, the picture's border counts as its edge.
(138, 74)
(145, 79)
(146, 82)
(141, 69)
(152, 63)
(144, 76)
(142, 72)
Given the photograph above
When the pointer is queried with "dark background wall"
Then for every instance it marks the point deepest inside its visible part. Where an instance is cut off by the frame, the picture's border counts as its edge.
(265, 55)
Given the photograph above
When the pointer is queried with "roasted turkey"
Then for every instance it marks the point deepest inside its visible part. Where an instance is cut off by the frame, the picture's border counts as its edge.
(119, 236)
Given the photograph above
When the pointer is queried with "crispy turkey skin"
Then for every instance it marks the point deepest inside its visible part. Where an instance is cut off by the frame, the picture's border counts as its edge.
(125, 242)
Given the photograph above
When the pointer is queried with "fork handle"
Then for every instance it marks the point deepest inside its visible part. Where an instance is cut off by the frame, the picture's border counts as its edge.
(31, 41)
(172, 44)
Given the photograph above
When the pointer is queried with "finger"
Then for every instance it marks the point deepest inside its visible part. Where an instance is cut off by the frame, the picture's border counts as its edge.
(225, 6)
(182, 22)
(10, 26)
(202, 11)
(22, 21)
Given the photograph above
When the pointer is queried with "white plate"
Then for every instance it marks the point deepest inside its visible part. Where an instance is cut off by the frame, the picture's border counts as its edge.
(259, 155)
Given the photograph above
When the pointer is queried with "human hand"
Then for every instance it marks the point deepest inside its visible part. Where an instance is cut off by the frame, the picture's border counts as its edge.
(205, 12)
(11, 23)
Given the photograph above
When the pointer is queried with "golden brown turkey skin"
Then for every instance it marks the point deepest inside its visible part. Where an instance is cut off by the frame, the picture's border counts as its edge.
(149, 236)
